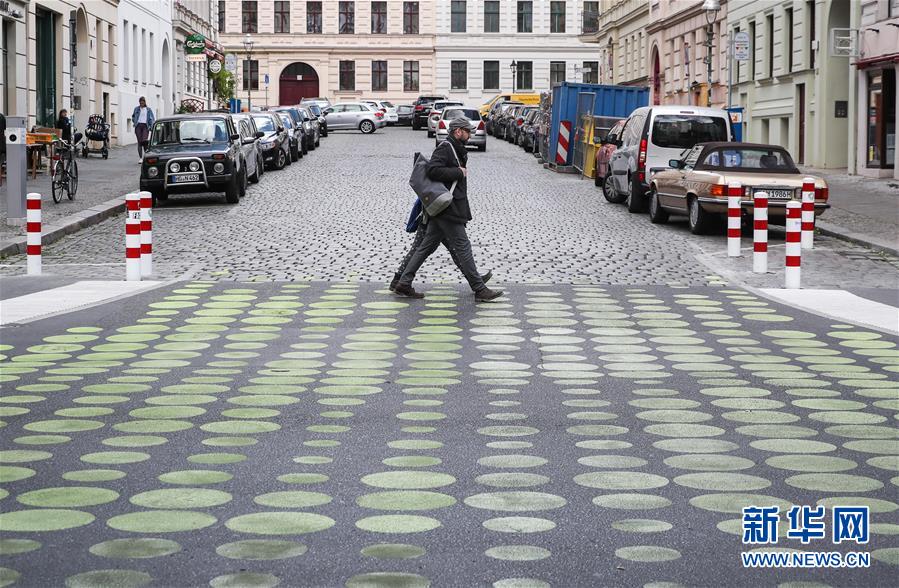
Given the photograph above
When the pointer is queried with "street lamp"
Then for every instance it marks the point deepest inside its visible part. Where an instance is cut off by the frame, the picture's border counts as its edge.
(248, 45)
(514, 67)
(711, 8)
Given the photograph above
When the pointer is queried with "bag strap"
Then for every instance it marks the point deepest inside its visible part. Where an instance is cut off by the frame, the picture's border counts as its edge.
(456, 155)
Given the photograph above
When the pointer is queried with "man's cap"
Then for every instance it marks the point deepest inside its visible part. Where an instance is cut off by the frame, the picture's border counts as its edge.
(459, 123)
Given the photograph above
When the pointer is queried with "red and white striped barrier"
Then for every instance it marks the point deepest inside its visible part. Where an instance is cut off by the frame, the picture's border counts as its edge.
(808, 213)
(564, 142)
(793, 261)
(132, 237)
(146, 234)
(760, 233)
(734, 198)
(33, 235)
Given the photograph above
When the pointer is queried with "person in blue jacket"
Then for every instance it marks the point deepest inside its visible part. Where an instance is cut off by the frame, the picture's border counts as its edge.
(143, 119)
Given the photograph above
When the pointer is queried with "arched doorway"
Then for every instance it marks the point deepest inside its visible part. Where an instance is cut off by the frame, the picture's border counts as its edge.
(298, 80)
(164, 104)
(81, 100)
(656, 77)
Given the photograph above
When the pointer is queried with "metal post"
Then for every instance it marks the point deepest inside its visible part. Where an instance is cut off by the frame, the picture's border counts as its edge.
(710, 33)
(730, 69)
(16, 170)
(249, 83)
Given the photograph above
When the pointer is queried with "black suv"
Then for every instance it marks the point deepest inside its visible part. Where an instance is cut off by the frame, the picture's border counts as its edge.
(421, 110)
(194, 153)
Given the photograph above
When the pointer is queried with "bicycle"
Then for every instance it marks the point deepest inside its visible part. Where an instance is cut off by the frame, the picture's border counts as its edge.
(64, 171)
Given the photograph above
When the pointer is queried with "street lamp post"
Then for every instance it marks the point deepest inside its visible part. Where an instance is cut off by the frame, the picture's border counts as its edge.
(248, 46)
(514, 67)
(711, 8)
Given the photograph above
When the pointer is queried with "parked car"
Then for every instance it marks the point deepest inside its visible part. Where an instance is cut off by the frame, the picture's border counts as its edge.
(654, 135)
(297, 117)
(501, 128)
(194, 153)
(478, 136)
(295, 132)
(527, 136)
(246, 126)
(404, 114)
(275, 142)
(434, 114)
(312, 128)
(696, 183)
(496, 113)
(515, 123)
(422, 110)
(525, 98)
(387, 108)
(322, 123)
(320, 101)
(602, 176)
(354, 115)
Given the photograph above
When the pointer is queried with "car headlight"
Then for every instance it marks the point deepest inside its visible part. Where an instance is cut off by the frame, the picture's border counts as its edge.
(218, 168)
(175, 167)
(152, 172)
(268, 144)
(194, 166)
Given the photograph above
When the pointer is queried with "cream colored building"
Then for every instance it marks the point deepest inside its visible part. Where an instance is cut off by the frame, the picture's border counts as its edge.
(385, 54)
(14, 65)
(623, 42)
(794, 92)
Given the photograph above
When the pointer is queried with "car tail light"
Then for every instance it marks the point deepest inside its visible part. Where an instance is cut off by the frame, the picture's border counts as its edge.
(419, 107)
(219, 156)
(718, 190)
(519, 121)
(442, 124)
(379, 114)
(822, 193)
(641, 162)
(481, 126)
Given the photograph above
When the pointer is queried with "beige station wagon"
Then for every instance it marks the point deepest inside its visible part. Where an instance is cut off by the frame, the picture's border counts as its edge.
(696, 184)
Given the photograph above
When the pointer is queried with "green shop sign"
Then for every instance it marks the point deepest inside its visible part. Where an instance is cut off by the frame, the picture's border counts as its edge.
(195, 47)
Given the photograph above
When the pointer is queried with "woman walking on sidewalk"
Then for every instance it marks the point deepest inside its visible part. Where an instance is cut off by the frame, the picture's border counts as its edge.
(143, 119)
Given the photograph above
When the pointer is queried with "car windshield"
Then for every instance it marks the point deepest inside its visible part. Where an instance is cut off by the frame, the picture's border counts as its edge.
(752, 159)
(387, 104)
(682, 131)
(194, 130)
(469, 113)
(264, 124)
(288, 122)
(315, 109)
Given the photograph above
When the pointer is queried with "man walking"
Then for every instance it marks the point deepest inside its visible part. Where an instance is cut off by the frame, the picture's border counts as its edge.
(447, 165)
(143, 120)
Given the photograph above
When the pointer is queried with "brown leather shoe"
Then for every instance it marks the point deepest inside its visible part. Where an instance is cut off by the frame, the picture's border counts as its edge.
(407, 291)
(486, 294)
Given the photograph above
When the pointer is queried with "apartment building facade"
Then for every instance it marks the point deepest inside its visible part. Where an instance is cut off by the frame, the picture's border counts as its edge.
(194, 17)
(622, 42)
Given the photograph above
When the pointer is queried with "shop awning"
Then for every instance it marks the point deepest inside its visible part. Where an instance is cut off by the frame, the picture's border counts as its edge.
(878, 60)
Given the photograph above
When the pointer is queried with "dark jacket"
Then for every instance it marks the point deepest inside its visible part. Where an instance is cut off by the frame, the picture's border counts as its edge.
(65, 125)
(443, 168)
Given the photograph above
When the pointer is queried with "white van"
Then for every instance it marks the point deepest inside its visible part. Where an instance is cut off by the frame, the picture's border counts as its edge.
(652, 136)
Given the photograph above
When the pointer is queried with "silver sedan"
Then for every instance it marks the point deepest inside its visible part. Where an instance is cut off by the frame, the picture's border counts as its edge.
(478, 136)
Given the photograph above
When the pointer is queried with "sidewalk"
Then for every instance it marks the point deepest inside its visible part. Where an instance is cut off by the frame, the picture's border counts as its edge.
(864, 210)
(101, 183)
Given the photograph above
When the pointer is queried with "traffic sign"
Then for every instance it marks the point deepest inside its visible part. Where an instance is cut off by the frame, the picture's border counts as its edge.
(231, 62)
(742, 46)
(265, 79)
(215, 66)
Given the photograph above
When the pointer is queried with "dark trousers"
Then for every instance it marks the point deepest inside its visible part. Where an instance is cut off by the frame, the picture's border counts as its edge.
(455, 239)
(419, 237)
(142, 133)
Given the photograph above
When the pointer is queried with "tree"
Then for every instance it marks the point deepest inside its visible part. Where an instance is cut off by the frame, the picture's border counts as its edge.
(223, 86)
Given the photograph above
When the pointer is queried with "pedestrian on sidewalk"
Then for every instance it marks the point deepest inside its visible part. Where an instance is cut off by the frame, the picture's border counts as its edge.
(143, 119)
(447, 165)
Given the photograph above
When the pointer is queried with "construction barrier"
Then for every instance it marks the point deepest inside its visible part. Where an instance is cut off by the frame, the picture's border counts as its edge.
(760, 233)
(146, 234)
(808, 213)
(793, 262)
(33, 234)
(734, 208)
(564, 138)
(132, 237)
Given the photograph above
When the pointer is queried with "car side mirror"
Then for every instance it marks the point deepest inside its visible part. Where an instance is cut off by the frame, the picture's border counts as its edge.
(675, 163)
(259, 134)
(235, 137)
(248, 141)
(281, 129)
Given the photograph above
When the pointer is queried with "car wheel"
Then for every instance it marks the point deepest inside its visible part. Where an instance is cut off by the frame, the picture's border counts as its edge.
(318, 141)
(635, 199)
(608, 190)
(657, 214)
(312, 145)
(698, 218)
(294, 153)
(482, 147)
(367, 127)
(281, 161)
(232, 191)
(254, 177)
(242, 185)
(260, 166)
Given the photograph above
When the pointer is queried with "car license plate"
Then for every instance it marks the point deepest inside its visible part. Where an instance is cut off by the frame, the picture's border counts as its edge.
(184, 178)
(775, 194)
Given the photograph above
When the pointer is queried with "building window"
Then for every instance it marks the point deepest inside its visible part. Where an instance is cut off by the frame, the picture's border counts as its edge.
(314, 18)
(250, 74)
(590, 23)
(590, 72)
(378, 76)
(525, 75)
(379, 18)
(410, 18)
(556, 73)
(491, 16)
(221, 14)
(458, 14)
(282, 17)
(347, 76)
(557, 17)
(881, 122)
(346, 22)
(458, 75)
(248, 17)
(525, 17)
(810, 19)
(788, 29)
(769, 33)
(491, 75)
(410, 74)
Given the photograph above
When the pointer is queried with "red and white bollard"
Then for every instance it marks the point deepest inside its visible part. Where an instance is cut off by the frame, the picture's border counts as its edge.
(760, 233)
(132, 237)
(734, 199)
(808, 213)
(33, 236)
(564, 141)
(146, 234)
(794, 245)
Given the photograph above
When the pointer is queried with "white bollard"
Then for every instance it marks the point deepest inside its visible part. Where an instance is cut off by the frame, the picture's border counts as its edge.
(146, 234)
(808, 213)
(793, 262)
(33, 234)
(132, 237)
(734, 198)
(760, 233)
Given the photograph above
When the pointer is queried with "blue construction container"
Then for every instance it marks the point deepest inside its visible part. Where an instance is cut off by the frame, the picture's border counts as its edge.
(618, 101)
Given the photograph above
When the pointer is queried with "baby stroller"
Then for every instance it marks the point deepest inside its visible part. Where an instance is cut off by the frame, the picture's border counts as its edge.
(97, 135)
